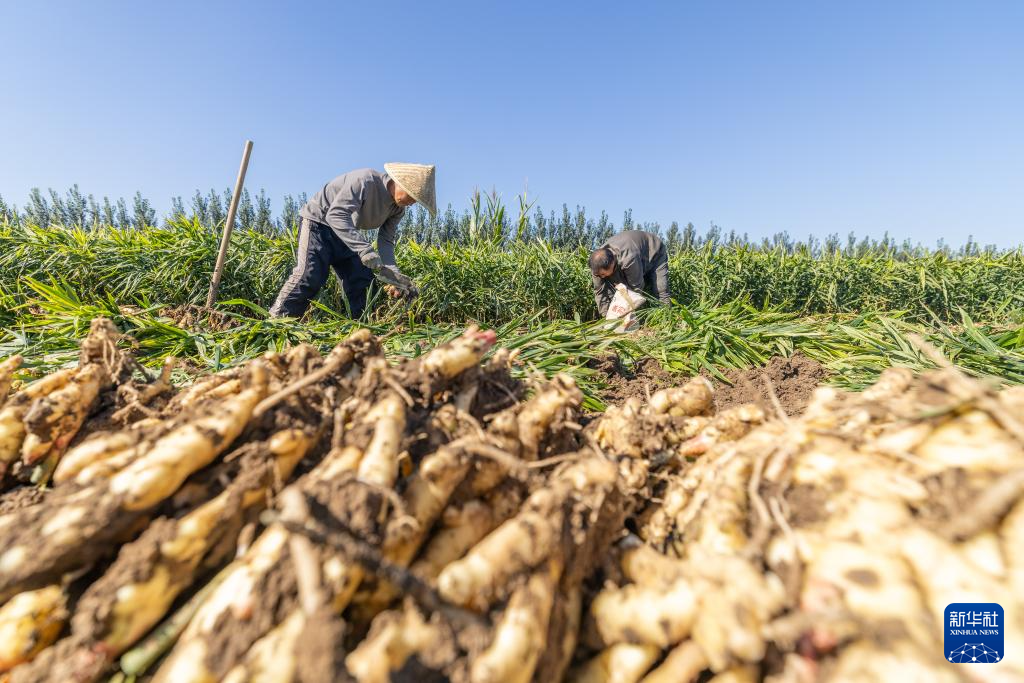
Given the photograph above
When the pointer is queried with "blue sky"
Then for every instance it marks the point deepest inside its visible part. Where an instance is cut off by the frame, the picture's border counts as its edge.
(810, 117)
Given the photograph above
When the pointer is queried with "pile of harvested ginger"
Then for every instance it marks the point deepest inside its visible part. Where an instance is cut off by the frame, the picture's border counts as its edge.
(310, 517)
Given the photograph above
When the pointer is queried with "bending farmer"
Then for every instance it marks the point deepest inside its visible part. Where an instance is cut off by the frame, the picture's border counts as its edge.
(634, 258)
(331, 235)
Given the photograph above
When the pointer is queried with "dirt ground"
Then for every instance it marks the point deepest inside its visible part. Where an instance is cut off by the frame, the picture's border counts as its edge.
(793, 379)
(20, 497)
(644, 378)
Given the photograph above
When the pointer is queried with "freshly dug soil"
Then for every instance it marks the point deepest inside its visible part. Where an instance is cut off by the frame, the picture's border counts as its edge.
(321, 657)
(232, 637)
(20, 497)
(794, 380)
(105, 527)
(134, 564)
(644, 378)
(950, 492)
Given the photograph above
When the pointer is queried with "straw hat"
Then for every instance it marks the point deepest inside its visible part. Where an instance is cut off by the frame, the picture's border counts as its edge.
(417, 180)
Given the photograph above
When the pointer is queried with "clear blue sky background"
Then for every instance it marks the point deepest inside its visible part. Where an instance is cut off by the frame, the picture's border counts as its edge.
(811, 117)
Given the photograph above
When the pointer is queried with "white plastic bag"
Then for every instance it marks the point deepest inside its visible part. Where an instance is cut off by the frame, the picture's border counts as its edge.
(622, 306)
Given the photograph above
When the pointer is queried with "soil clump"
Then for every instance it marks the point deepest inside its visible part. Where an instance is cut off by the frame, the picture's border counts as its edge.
(20, 497)
(793, 379)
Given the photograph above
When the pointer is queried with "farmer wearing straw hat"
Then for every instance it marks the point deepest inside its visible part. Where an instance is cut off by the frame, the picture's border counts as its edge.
(331, 235)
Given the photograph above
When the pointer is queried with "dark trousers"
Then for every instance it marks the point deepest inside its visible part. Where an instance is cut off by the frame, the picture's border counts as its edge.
(319, 251)
(656, 277)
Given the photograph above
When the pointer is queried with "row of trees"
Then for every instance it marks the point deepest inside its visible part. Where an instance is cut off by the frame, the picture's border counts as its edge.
(487, 218)
(210, 209)
(74, 208)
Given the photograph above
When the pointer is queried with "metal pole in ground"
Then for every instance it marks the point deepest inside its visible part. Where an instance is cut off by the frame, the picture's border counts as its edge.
(218, 270)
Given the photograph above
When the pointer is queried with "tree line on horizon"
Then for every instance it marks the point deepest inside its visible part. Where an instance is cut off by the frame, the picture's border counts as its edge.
(487, 217)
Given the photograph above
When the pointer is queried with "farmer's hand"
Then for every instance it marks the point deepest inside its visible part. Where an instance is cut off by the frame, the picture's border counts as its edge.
(371, 260)
(405, 282)
(395, 278)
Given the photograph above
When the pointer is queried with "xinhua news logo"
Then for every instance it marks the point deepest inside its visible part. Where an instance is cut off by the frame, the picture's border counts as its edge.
(974, 633)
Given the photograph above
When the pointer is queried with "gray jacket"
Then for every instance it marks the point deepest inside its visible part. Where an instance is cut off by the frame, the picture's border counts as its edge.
(639, 256)
(354, 202)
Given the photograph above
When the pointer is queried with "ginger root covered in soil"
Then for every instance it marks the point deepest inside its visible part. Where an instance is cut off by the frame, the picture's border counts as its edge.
(449, 531)
(39, 422)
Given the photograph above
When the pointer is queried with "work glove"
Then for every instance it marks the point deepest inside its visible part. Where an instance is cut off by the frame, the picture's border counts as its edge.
(371, 260)
(397, 278)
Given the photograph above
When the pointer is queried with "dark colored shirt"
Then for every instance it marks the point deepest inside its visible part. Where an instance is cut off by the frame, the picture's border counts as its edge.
(637, 254)
(353, 203)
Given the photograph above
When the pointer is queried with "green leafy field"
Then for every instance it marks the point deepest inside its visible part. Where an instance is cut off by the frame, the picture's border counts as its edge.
(496, 282)
(735, 307)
